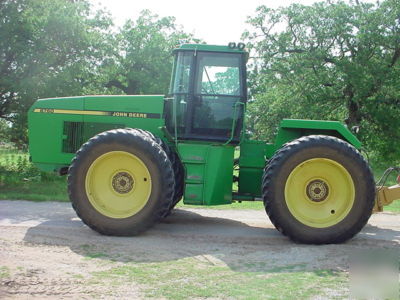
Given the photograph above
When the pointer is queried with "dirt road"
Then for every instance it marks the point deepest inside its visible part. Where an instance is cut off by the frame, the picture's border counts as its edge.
(46, 251)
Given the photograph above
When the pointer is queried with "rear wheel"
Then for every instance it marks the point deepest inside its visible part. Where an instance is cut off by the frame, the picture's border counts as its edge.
(318, 189)
(120, 182)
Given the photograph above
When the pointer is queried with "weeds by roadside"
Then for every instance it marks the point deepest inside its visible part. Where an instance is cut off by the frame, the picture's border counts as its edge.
(20, 179)
(15, 166)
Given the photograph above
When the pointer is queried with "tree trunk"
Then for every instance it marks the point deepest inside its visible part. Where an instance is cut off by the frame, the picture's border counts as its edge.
(353, 107)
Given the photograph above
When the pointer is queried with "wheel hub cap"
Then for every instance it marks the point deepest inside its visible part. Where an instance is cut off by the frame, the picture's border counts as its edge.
(317, 190)
(122, 182)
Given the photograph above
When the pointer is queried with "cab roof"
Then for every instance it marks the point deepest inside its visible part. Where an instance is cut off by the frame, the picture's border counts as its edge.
(210, 48)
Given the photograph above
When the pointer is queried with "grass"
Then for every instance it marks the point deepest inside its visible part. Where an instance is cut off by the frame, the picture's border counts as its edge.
(197, 278)
(394, 207)
(190, 278)
(40, 191)
(21, 180)
(4, 272)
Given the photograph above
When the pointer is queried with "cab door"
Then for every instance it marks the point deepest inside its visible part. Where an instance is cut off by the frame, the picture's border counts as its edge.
(218, 98)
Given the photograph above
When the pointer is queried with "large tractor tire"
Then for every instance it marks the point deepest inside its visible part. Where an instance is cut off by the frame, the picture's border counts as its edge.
(318, 190)
(179, 180)
(121, 182)
(177, 167)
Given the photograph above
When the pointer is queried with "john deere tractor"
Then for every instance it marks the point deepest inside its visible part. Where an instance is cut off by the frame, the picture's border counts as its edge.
(131, 159)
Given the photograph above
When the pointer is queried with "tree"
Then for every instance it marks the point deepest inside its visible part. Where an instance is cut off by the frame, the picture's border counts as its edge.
(48, 48)
(143, 58)
(4, 131)
(331, 60)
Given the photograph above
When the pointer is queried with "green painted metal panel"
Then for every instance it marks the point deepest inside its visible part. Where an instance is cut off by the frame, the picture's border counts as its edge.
(46, 131)
(51, 121)
(252, 153)
(219, 175)
(62, 103)
(209, 173)
(288, 129)
(144, 112)
(285, 135)
(250, 181)
(194, 194)
(251, 166)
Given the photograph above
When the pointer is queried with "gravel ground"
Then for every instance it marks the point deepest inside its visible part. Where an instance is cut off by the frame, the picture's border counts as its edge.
(46, 251)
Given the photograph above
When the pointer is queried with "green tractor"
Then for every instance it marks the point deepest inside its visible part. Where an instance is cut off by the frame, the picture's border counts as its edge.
(131, 159)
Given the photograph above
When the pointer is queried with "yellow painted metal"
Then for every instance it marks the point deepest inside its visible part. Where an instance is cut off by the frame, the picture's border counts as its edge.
(386, 195)
(118, 184)
(70, 111)
(319, 192)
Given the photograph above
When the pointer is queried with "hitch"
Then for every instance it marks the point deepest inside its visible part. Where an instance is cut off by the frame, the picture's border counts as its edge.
(385, 195)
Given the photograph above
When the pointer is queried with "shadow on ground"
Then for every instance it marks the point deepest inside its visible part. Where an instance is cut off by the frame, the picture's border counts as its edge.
(217, 239)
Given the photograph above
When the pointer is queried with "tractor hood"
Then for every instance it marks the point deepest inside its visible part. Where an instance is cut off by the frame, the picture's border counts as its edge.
(108, 105)
(64, 124)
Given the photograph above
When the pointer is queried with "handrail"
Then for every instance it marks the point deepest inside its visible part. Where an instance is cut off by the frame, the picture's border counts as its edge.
(233, 122)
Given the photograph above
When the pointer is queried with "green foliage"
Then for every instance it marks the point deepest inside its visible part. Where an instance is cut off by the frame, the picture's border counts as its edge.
(20, 179)
(226, 81)
(332, 60)
(15, 168)
(143, 61)
(4, 131)
(47, 48)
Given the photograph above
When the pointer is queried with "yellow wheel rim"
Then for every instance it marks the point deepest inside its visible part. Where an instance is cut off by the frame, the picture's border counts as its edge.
(118, 184)
(319, 192)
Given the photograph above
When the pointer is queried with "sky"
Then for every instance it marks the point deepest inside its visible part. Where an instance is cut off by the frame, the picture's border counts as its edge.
(214, 21)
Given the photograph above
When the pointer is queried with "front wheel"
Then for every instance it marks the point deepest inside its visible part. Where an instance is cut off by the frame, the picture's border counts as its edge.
(318, 189)
(121, 182)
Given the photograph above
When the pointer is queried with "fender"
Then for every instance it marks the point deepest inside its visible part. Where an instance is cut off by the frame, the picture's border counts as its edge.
(253, 154)
(291, 129)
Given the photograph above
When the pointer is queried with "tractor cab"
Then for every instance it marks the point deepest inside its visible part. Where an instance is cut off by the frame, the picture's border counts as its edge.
(207, 93)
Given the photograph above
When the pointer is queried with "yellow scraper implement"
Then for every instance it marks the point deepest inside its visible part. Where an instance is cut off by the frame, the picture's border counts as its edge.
(385, 195)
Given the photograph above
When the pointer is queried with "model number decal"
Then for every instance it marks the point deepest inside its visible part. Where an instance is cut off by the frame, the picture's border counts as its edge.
(46, 110)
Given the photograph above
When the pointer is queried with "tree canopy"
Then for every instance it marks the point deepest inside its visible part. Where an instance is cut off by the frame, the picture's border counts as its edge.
(47, 48)
(142, 62)
(331, 60)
